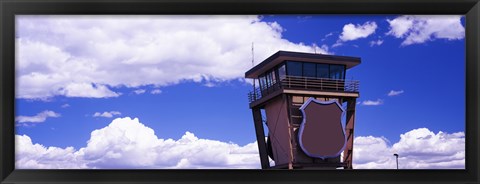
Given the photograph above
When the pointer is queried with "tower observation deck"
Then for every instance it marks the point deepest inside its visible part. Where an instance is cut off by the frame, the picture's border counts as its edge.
(287, 80)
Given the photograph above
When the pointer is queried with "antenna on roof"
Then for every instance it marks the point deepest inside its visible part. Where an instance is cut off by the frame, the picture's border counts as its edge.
(253, 54)
(253, 64)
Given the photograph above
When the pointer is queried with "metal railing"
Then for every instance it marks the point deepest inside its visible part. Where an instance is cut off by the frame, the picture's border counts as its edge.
(306, 83)
(258, 93)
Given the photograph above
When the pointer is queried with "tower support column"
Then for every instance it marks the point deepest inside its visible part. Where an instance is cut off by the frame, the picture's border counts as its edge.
(262, 146)
(349, 129)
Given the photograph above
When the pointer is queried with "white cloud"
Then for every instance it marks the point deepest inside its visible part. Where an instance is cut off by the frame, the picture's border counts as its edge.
(39, 118)
(417, 149)
(139, 91)
(37, 156)
(65, 105)
(127, 143)
(337, 44)
(326, 36)
(353, 32)
(92, 56)
(209, 84)
(107, 114)
(156, 91)
(377, 42)
(322, 49)
(395, 93)
(372, 103)
(366, 151)
(87, 90)
(415, 29)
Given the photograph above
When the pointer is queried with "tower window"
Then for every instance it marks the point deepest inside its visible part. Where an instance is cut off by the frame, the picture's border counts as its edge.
(309, 70)
(294, 68)
(322, 71)
(282, 72)
(337, 71)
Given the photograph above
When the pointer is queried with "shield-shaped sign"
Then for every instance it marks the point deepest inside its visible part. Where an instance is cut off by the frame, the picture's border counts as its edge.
(321, 133)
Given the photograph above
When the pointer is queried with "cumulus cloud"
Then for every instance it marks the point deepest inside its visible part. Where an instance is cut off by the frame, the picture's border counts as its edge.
(139, 91)
(107, 114)
(376, 43)
(353, 32)
(372, 102)
(395, 93)
(127, 143)
(36, 156)
(366, 151)
(92, 56)
(416, 29)
(417, 149)
(156, 91)
(39, 118)
(87, 90)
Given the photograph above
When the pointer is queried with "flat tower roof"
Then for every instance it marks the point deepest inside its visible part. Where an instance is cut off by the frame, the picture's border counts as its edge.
(281, 56)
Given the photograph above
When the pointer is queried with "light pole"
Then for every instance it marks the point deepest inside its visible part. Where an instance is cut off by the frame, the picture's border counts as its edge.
(396, 157)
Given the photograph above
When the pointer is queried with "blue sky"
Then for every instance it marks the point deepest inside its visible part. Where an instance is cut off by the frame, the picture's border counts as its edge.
(182, 77)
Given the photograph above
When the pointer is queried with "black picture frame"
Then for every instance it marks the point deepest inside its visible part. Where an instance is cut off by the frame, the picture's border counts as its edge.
(10, 8)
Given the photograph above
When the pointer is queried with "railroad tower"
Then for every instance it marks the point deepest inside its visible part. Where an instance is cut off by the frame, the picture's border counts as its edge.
(308, 109)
